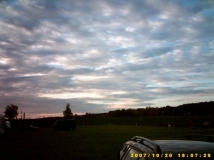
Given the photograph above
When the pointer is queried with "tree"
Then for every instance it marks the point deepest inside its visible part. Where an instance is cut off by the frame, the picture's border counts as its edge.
(67, 112)
(11, 111)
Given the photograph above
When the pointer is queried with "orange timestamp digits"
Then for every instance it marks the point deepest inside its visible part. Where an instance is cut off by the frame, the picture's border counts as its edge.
(151, 155)
(194, 155)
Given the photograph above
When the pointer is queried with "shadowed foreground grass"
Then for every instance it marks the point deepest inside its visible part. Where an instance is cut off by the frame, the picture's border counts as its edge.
(85, 143)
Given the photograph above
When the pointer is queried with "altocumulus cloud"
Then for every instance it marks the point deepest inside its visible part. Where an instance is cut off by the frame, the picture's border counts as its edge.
(105, 55)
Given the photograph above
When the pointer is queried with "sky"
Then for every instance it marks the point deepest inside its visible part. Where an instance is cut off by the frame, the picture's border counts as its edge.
(105, 55)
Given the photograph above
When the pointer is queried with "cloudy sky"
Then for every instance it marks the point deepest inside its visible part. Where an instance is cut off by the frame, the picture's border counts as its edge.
(105, 55)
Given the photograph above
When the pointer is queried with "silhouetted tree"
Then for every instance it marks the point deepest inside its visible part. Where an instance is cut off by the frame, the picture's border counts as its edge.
(67, 112)
(11, 111)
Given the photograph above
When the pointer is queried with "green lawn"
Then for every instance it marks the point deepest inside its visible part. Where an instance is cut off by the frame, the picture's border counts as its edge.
(85, 143)
(180, 121)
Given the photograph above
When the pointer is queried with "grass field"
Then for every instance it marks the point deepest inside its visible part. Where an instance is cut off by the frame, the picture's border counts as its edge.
(99, 142)
(145, 120)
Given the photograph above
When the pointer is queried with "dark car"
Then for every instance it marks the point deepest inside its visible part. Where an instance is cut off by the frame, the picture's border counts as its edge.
(7, 125)
(28, 128)
(140, 148)
(66, 124)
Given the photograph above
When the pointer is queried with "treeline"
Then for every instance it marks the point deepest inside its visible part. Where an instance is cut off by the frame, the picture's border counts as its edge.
(201, 108)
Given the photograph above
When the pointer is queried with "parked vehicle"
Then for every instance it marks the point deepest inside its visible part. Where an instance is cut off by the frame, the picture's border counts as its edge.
(66, 124)
(7, 125)
(140, 148)
(28, 128)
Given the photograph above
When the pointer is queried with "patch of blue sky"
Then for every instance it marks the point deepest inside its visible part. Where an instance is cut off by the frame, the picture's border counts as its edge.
(204, 81)
(208, 13)
(205, 49)
(10, 2)
(55, 65)
(190, 4)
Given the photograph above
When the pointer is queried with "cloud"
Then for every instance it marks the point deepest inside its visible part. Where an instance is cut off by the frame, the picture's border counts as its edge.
(105, 55)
